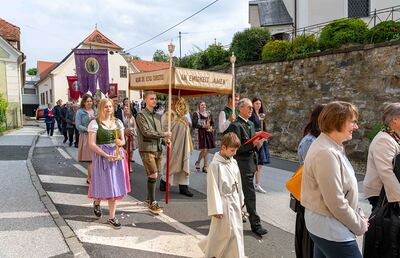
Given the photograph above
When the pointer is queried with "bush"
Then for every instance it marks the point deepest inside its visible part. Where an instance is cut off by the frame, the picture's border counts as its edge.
(384, 31)
(341, 32)
(247, 45)
(3, 107)
(302, 45)
(275, 50)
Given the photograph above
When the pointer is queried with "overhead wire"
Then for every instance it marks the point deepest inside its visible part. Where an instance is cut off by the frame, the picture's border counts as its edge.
(170, 28)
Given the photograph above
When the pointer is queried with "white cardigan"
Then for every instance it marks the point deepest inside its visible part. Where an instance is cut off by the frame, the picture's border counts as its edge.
(381, 152)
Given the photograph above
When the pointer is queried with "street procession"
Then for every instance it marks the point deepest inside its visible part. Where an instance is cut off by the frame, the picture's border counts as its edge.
(216, 129)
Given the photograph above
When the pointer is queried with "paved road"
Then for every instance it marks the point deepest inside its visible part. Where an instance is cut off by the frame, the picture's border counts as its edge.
(26, 227)
(173, 234)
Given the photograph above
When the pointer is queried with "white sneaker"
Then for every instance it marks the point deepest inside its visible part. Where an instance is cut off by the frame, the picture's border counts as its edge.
(259, 189)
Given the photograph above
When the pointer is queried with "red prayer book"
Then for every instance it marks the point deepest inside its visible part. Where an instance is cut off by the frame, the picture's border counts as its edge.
(259, 135)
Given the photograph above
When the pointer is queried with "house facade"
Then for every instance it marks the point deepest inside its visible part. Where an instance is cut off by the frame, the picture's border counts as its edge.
(12, 72)
(281, 16)
(54, 85)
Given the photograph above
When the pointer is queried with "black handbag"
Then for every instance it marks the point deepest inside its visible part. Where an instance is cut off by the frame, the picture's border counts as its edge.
(383, 236)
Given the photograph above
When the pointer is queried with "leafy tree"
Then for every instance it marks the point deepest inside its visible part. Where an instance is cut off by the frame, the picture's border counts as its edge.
(247, 45)
(136, 57)
(216, 55)
(160, 56)
(32, 71)
(342, 32)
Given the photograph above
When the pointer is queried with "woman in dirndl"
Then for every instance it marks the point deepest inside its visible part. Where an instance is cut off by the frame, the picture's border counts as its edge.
(258, 117)
(203, 121)
(110, 177)
(84, 115)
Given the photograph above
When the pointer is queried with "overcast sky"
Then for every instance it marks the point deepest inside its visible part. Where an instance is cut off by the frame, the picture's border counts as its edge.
(50, 29)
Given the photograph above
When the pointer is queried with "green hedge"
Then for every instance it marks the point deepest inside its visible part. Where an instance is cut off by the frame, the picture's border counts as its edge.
(247, 45)
(3, 107)
(302, 45)
(384, 31)
(342, 32)
(275, 50)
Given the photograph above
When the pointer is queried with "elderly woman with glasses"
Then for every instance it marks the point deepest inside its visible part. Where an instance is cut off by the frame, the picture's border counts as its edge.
(329, 191)
(384, 147)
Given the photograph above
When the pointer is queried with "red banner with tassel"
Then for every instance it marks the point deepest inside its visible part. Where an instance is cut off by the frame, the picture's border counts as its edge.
(73, 87)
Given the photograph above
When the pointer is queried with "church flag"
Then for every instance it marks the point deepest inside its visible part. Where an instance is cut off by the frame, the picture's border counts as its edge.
(73, 87)
(92, 68)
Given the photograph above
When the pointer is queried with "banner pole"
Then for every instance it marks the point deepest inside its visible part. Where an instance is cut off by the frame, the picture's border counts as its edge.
(233, 60)
(171, 48)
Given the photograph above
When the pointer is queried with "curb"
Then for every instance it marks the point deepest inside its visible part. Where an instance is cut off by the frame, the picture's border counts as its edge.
(70, 238)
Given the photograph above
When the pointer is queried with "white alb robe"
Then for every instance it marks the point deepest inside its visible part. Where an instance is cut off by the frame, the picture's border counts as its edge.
(224, 196)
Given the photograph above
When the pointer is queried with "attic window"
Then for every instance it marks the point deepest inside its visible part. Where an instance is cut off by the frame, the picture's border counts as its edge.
(111, 52)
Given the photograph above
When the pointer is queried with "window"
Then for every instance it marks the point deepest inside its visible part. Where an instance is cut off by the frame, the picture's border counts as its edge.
(358, 8)
(42, 98)
(51, 95)
(47, 97)
(123, 72)
(29, 91)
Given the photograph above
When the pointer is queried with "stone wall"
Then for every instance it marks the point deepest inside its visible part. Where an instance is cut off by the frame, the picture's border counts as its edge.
(368, 76)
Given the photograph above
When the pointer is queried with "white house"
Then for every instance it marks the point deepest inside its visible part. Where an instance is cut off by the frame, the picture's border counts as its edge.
(54, 85)
(30, 99)
(283, 15)
(12, 71)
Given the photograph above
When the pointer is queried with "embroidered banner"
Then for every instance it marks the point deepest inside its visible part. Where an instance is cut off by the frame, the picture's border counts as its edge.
(92, 68)
(73, 87)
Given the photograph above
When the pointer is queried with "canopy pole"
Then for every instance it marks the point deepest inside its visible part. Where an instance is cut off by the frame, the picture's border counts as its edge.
(233, 60)
(171, 48)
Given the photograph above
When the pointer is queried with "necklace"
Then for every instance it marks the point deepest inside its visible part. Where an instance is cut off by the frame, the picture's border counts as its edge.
(392, 133)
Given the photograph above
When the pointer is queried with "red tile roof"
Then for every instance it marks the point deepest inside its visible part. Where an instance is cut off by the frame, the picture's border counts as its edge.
(9, 31)
(96, 38)
(44, 67)
(147, 66)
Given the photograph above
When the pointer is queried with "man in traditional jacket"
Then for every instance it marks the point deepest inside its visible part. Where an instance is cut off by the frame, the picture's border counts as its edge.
(246, 157)
(226, 116)
(181, 147)
(150, 137)
(57, 114)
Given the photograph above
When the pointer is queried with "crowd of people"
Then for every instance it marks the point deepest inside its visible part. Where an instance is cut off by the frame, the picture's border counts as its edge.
(328, 217)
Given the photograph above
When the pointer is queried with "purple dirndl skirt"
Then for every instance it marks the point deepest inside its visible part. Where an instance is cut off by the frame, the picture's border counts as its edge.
(110, 179)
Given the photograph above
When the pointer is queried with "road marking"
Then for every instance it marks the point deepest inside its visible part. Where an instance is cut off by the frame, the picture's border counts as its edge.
(81, 168)
(65, 180)
(63, 153)
(178, 243)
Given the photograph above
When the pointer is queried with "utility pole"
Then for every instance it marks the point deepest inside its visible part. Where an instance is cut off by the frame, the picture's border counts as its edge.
(180, 45)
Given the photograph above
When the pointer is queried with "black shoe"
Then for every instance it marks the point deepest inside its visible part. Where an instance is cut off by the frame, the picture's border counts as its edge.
(114, 222)
(184, 190)
(76, 145)
(65, 140)
(204, 169)
(259, 231)
(244, 220)
(163, 186)
(97, 209)
(70, 144)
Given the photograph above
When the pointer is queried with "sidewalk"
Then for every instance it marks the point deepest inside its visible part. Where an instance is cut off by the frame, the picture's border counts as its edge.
(26, 226)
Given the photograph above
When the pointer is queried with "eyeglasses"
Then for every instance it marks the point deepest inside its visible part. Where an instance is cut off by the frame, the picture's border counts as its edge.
(250, 107)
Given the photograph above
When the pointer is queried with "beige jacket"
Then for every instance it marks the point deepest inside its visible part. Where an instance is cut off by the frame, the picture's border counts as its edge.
(381, 152)
(329, 186)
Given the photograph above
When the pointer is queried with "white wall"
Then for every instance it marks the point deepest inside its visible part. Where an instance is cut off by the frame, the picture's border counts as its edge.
(13, 83)
(44, 86)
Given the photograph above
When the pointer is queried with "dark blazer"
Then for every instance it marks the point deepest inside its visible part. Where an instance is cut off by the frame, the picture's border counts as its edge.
(47, 118)
(246, 154)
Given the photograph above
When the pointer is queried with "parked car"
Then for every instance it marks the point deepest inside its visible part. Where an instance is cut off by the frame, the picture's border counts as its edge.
(40, 111)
